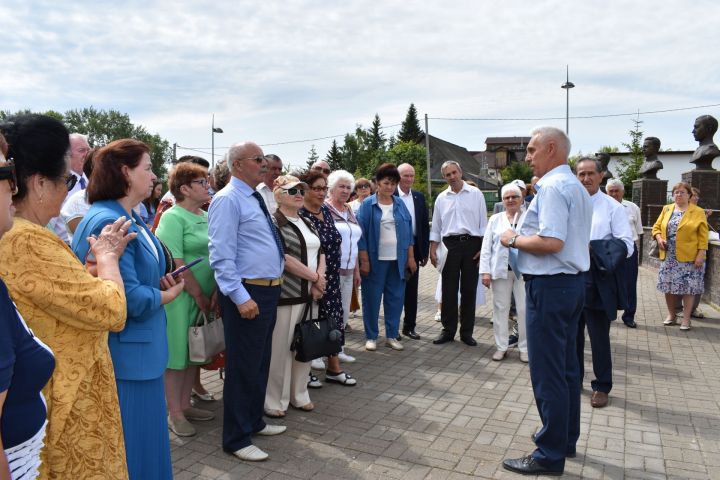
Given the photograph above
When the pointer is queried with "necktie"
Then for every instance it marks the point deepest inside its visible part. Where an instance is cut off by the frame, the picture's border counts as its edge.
(276, 234)
(83, 183)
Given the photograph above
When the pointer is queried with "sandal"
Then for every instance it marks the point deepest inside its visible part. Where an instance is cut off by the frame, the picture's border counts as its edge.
(308, 407)
(670, 321)
(697, 313)
(314, 382)
(342, 378)
(685, 326)
(274, 413)
(206, 397)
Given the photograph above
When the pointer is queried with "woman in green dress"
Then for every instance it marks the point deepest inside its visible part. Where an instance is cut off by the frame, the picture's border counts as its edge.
(184, 230)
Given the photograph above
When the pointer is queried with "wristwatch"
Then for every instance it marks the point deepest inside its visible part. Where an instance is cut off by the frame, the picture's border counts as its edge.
(511, 243)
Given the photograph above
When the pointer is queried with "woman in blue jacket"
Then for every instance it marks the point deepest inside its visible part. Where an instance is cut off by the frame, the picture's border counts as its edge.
(385, 255)
(122, 178)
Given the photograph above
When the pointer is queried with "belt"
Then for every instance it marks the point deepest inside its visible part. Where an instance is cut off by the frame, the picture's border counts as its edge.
(459, 238)
(264, 282)
(527, 276)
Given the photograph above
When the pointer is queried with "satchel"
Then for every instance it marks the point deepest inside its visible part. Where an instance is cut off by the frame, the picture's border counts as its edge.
(314, 337)
(206, 338)
(654, 250)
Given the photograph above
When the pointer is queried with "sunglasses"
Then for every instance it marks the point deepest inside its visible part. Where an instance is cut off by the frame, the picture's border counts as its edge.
(7, 172)
(257, 158)
(362, 187)
(70, 181)
(326, 171)
(294, 191)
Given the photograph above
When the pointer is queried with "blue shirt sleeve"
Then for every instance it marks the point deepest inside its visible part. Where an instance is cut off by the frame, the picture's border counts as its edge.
(223, 249)
(554, 214)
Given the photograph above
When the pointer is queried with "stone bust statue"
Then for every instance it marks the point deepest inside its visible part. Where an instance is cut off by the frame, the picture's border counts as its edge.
(651, 165)
(604, 159)
(703, 131)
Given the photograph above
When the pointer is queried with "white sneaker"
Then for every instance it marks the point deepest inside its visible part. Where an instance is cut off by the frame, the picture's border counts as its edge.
(251, 453)
(438, 316)
(317, 364)
(345, 358)
(271, 430)
(394, 344)
(371, 345)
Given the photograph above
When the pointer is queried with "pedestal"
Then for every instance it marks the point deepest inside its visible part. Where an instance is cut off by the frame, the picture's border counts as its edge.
(646, 192)
(708, 181)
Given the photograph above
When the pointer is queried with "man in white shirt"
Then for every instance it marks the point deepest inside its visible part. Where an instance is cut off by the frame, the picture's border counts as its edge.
(274, 169)
(609, 221)
(459, 221)
(616, 190)
(79, 148)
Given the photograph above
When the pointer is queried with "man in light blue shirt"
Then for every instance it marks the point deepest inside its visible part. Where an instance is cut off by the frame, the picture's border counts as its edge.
(552, 253)
(247, 257)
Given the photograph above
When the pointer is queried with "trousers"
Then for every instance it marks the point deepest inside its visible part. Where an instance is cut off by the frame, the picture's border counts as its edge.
(631, 275)
(460, 272)
(383, 283)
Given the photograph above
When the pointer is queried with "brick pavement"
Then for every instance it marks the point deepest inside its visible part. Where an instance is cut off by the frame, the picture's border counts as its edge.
(450, 412)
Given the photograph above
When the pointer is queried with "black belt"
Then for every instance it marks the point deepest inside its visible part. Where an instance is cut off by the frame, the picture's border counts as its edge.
(459, 238)
(528, 277)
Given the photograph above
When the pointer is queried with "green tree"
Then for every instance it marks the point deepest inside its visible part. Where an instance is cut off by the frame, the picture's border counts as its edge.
(350, 153)
(608, 149)
(414, 154)
(376, 138)
(334, 157)
(628, 168)
(521, 170)
(312, 156)
(410, 130)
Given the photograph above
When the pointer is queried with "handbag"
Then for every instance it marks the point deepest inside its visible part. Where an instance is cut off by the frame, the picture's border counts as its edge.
(206, 338)
(314, 337)
(654, 250)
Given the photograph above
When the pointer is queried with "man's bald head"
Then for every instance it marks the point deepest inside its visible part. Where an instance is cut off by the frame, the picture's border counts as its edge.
(247, 162)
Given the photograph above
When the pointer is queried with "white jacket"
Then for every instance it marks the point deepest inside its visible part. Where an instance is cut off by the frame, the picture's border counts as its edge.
(493, 256)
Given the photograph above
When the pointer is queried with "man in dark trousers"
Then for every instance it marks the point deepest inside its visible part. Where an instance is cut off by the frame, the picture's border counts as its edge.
(550, 249)
(417, 206)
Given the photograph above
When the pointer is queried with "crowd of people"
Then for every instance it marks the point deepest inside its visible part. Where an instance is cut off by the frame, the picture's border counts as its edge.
(94, 361)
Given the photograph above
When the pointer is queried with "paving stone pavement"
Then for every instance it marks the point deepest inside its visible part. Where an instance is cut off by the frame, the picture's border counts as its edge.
(450, 412)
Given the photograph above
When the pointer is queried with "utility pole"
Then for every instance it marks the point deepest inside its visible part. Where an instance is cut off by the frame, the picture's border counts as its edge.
(567, 86)
(427, 158)
(175, 152)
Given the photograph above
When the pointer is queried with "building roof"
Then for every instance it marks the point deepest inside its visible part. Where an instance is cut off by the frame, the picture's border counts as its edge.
(442, 150)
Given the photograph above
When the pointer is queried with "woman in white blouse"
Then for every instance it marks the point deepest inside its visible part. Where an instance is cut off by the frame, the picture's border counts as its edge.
(495, 270)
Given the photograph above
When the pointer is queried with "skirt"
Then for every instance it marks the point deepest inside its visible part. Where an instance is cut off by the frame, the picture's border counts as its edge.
(144, 419)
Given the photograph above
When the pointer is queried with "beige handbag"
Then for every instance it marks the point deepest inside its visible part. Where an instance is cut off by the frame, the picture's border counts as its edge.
(206, 338)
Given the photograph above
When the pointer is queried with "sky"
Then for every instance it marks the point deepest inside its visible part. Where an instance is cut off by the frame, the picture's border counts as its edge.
(276, 72)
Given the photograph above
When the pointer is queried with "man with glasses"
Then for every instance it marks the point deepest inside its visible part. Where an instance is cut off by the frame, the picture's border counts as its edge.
(79, 148)
(274, 169)
(247, 256)
(321, 166)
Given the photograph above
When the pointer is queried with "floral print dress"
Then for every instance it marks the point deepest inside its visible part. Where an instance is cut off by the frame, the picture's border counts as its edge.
(330, 240)
(678, 278)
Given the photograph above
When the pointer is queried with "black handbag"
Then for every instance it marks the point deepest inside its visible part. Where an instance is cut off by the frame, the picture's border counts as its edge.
(314, 337)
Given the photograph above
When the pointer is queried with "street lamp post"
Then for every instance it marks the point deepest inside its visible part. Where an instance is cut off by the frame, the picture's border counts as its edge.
(214, 131)
(567, 86)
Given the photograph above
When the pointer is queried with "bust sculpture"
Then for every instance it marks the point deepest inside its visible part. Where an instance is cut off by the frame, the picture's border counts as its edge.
(604, 159)
(651, 165)
(703, 131)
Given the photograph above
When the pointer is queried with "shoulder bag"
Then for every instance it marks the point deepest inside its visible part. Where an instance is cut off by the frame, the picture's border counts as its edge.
(314, 337)
(206, 338)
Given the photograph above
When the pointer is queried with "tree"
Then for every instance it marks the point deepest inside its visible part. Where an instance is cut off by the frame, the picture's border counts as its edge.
(334, 157)
(414, 154)
(410, 130)
(628, 169)
(312, 157)
(514, 170)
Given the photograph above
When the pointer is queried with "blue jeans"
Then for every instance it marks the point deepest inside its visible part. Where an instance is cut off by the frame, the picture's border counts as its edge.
(384, 283)
(554, 306)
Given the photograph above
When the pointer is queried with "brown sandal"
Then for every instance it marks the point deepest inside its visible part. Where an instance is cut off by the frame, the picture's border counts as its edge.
(308, 407)
(275, 413)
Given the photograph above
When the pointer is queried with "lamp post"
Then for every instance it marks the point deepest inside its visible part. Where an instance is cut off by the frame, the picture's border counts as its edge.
(567, 86)
(214, 131)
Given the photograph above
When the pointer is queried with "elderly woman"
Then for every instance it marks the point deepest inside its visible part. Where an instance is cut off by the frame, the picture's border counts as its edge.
(340, 184)
(319, 215)
(386, 257)
(495, 270)
(303, 282)
(681, 231)
(363, 189)
(122, 177)
(26, 365)
(68, 308)
(184, 230)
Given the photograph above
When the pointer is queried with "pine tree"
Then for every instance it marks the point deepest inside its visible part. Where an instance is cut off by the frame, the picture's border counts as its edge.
(628, 169)
(334, 157)
(376, 140)
(410, 130)
(312, 156)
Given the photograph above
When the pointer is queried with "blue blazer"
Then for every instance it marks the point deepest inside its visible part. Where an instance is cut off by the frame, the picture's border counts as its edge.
(369, 215)
(604, 282)
(140, 350)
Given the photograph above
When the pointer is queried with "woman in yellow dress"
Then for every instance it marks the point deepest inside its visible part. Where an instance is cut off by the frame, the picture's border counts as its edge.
(69, 308)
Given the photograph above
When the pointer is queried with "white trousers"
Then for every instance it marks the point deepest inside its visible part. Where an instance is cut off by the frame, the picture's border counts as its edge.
(502, 289)
(288, 378)
(346, 284)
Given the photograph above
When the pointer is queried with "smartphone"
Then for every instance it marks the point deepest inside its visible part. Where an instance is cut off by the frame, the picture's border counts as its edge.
(180, 270)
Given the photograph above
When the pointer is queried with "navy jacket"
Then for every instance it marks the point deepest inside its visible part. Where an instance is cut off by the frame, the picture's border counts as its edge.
(604, 285)
(421, 249)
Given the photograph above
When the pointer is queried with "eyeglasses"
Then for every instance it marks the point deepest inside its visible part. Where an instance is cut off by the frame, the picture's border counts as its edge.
(70, 181)
(202, 182)
(294, 191)
(7, 172)
(511, 197)
(326, 171)
(680, 192)
(318, 189)
(362, 187)
(257, 158)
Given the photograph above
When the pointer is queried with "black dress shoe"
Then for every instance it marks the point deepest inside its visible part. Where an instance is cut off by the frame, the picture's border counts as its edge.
(443, 338)
(631, 324)
(468, 341)
(528, 466)
(411, 334)
(568, 454)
